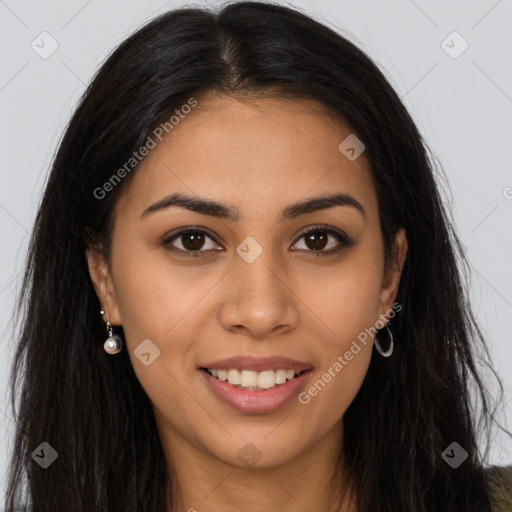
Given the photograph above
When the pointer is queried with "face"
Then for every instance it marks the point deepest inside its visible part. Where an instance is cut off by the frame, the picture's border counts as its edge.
(267, 283)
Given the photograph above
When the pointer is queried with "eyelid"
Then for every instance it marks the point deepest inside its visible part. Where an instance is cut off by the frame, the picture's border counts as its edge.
(323, 227)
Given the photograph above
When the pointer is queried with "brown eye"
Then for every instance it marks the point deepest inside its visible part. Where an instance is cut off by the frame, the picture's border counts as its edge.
(189, 241)
(316, 240)
(192, 241)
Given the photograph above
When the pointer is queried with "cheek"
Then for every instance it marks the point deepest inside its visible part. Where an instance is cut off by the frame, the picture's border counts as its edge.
(348, 304)
(346, 352)
(346, 298)
(157, 303)
(163, 303)
(153, 294)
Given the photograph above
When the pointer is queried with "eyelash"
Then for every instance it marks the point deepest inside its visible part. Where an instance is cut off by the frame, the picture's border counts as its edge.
(342, 237)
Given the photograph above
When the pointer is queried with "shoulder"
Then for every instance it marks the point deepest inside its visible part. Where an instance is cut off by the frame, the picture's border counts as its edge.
(499, 480)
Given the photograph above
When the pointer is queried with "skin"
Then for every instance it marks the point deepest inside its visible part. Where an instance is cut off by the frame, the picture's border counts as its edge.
(260, 157)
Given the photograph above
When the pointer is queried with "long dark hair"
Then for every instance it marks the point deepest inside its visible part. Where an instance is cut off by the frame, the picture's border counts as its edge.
(91, 407)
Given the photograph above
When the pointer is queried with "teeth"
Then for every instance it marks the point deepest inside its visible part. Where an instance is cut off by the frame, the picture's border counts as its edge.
(234, 377)
(282, 375)
(267, 380)
(247, 379)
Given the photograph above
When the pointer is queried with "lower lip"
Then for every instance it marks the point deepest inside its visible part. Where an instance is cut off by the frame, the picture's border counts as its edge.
(256, 402)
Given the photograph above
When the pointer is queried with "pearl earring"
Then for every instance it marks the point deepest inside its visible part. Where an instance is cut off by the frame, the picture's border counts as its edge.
(113, 344)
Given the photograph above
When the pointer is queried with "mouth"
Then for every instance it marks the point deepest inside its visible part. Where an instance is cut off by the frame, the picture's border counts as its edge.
(250, 380)
(256, 385)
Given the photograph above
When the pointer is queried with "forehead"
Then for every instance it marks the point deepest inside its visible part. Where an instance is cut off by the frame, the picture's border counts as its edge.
(253, 153)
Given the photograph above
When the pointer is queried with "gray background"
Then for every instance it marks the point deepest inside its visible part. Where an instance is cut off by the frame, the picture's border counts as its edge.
(462, 105)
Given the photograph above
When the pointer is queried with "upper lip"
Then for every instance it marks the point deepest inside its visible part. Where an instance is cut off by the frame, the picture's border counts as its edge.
(258, 364)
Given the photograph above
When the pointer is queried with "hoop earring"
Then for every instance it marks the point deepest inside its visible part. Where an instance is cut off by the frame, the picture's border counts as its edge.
(379, 348)
(113, 344)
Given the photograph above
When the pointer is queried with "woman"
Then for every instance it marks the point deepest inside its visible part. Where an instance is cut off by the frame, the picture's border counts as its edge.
(242, 289)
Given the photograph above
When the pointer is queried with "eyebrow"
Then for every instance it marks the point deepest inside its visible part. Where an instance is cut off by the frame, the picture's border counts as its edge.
(229, 212)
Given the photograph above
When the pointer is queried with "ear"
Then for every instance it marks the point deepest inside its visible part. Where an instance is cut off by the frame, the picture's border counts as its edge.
(101, 278)
(392, 273)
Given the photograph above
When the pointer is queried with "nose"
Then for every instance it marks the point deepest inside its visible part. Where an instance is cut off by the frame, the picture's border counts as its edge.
(260, 300)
